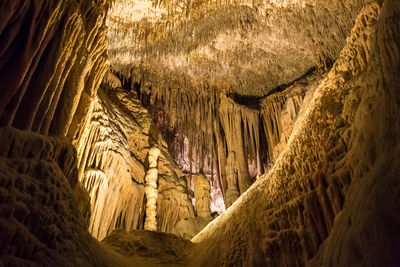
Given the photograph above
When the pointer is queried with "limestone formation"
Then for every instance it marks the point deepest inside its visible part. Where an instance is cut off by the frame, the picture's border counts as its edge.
(39, 220)
(151, 180)
(189, 227)
(231, 170)
(289, 110)
(112, 155)
(202, 195)
(53, 60)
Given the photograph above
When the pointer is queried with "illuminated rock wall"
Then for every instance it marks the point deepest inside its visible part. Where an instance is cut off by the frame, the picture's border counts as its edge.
(113, 161)
(52, 60)
(202, 195)
(331, 199)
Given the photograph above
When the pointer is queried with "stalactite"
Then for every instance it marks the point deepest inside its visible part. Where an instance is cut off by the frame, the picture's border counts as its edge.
(215, 124)
(103, 169)
(196, 61)
(271, 113)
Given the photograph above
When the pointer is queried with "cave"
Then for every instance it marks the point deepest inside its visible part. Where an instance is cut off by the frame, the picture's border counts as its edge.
(200, 133)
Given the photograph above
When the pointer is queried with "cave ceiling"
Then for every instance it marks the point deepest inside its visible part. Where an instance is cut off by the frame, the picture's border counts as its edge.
(242, 47)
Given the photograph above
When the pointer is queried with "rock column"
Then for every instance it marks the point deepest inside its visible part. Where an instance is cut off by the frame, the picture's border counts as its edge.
(202, 195)
(151, 191)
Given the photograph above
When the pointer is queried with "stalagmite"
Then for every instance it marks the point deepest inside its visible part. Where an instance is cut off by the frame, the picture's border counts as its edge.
(151, 190)
(202, 195)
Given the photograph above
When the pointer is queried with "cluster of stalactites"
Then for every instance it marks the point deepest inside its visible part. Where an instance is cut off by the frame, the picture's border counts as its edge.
(214, 131)
(175, 26)
(271, 109)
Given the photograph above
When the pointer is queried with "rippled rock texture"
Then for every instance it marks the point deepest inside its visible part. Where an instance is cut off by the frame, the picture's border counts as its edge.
(40, 224)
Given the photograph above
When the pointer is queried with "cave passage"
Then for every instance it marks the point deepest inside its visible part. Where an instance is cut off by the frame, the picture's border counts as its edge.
(199, 133)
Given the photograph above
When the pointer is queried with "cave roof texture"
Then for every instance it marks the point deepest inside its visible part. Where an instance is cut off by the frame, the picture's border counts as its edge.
(240, 47)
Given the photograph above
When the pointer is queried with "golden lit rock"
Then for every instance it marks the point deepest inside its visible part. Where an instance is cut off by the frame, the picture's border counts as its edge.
(128, 127)
(202, 195)
(151, 190)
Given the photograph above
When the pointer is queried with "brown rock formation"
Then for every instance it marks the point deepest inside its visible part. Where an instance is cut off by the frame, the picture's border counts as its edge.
(202, 195)
(227, 79)
(39, 220)
(151, 190)
(113, 153)
(53, 61)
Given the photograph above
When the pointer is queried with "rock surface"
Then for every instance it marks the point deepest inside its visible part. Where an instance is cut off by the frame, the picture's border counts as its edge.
(52, 57)
(202, 195)
(151, 248)
(330, 199)
(40, 224)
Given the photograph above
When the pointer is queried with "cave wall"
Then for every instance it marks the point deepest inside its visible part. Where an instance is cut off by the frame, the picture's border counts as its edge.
(40, 224)
(52, 59)
(331, 197)
(232, 139)
(52, 62)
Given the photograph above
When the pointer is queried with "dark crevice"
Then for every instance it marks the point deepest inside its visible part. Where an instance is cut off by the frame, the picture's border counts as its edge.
(282, 87)
(246, 100)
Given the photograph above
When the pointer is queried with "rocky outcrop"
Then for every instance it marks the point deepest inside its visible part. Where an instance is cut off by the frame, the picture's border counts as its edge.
(331, 185)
